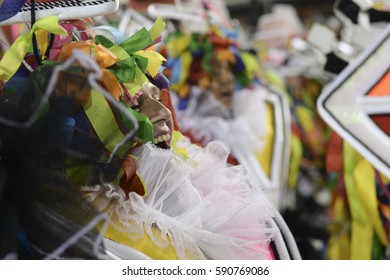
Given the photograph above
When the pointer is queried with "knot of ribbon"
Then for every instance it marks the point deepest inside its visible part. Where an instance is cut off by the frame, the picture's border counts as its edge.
(14, 56)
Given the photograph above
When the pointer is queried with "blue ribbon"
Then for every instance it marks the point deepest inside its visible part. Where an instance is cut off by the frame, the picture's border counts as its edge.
(10, 8)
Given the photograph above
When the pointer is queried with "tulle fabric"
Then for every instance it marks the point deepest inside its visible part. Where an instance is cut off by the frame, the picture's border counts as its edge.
(202, 207)
(242, 129)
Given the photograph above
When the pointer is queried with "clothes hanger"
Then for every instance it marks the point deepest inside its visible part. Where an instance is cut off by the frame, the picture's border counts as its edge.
(356, 103)
(132, 21)
(276, 182)
(94, 75)
(33, 10)
(288, 237)
(64, 9)
(100, 246)
(282, 160)
(4, 44)
(88, 63)
(194, 18)
(362, 23)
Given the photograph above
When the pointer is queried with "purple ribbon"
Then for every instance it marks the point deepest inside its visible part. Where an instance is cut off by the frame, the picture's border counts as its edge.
(9, 8)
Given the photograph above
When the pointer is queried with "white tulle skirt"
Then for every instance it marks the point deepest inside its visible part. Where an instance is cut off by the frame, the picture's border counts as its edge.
(201, 206)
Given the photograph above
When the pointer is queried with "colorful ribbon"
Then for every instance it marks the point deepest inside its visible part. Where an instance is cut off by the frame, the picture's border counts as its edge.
(14, 56)
(70, 26)
(134, 57)
(103, 57)
(360, 185)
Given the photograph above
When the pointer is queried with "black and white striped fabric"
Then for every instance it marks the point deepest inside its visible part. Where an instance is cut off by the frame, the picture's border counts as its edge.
(65, 9)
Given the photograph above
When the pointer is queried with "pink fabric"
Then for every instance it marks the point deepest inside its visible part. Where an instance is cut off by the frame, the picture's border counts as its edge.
(61, 40)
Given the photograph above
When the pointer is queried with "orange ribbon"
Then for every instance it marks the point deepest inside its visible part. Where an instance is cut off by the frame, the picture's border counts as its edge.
(103, 57)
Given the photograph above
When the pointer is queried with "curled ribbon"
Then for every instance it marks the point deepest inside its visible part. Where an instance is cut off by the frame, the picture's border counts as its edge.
(14, 56)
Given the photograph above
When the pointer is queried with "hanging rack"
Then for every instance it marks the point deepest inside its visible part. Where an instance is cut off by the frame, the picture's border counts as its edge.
(64, 9)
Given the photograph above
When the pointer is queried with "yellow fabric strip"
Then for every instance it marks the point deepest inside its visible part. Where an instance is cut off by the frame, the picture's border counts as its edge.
(339, 241)
(139, 80)
(42, 40)
(364, 175)
(119, 52)
(351, 159)
(265, 155)
(14, 56)
(251, 65)
(362, 231)
(178, 45)
(144, 245)
(295, 160)
(154, 61)
(177, 138)
(104, 123)
(361, 241)
(157, 28)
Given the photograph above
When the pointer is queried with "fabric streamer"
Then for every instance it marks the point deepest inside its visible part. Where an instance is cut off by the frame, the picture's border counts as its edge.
(14, 56)
(9, 8)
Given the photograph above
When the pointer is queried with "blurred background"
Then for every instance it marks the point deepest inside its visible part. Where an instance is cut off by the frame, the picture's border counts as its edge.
(315, 135)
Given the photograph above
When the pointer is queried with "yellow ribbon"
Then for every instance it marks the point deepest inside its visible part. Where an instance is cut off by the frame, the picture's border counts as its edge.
(178, 46)
(361, 231)
(251, 65)
(139, 80)
(14, 56)
(154, 61)
(339, 241)
(264, 156)
(104, 123)
(154, 58)
(365, 183)
(296, 155)
(157, 28)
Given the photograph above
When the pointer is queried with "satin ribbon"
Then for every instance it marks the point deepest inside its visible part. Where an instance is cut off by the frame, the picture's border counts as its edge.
(103, 57)
(364, 175)
(264, 157)
(295, 160)
(360, 184)
(339, 243)
(134, 58)
(14, 56)
(252, 67)
(111, 126)
(97, 109)
(70, 26)
(361, 230)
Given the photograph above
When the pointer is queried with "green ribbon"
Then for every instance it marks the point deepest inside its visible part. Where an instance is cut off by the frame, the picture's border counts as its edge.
(14, 56)
(132, 60)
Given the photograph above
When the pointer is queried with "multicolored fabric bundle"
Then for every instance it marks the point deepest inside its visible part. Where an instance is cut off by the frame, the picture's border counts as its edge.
(89, 123)
(204, 59)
